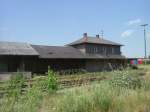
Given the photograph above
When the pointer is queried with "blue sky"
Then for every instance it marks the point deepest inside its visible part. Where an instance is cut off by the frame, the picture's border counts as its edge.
(58, 22)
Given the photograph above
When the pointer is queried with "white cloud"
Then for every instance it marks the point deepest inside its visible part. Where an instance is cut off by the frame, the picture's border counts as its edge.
(127, 33)
(132, 22)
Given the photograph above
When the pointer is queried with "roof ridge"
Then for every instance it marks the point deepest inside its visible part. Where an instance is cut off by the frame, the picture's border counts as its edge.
(94, 40)
(50, 46)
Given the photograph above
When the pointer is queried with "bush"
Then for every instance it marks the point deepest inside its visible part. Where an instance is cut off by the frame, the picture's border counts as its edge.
(124, 79)
(72, 71)
(15, 84)
(134, 66)
(31, 101)
(47, 83)
(52, 80)
(41, 82)
(13, 93)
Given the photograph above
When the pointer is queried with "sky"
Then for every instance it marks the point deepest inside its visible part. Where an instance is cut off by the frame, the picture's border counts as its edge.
(58, 22)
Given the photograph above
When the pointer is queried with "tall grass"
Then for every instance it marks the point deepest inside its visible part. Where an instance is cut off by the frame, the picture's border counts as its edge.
(30, 100)
(123, 92)
(16, 101)
(104, 98)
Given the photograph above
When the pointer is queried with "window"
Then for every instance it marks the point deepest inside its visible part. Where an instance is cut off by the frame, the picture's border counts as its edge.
(104, 50)
(109, 50)
(95, 50)
(3, 67)
(112, 50)
(117, 50)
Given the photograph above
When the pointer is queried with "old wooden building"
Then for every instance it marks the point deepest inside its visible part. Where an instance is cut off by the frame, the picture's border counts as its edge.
(88, 53)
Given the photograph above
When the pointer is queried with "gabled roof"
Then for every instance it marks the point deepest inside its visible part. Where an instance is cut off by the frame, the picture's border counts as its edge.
(15, 48)
(94, 40)
(49, 52)
(57, 52)
(68, 52)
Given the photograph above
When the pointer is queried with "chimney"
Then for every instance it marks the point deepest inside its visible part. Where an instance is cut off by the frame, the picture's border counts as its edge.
(97, 36)
(84, 34)
(85, 37)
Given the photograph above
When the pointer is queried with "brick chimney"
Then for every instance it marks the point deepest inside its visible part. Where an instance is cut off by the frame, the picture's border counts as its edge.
(84, 34)
(97, 36)
(85, 37)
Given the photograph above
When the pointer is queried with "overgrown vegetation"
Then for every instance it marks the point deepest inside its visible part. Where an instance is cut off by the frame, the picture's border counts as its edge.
(15, 85)
(123, 91)
(104, 98)
(48, 83)
(52, 80)
(126, 80)
(17, 99)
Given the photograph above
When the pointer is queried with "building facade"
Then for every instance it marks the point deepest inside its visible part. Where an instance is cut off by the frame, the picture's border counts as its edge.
(89, 53)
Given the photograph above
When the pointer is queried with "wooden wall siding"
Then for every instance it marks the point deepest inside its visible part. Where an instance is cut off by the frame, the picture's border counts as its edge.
(104, 65)
(102, 49)
(99, 49)
(11, 64)
(17, 63)
(58, 64)
(36, 65)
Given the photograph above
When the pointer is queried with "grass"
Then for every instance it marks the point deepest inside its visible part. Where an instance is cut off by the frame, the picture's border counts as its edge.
(100, 96)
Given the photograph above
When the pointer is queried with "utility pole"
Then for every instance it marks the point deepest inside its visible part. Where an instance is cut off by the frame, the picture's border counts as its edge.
(144, 25)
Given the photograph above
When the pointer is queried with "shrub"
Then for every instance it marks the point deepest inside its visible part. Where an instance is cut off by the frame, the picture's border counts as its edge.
(31, 101)
(41, 82)
(15, 84)
(124, 79)
(52, 80)
(134, 66)
(47, 83)
(72, 71)
(13, 93)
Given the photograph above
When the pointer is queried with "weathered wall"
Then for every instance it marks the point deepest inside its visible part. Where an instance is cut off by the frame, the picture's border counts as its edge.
(102, 49)
(98, 49)
(58, 64)
(36, 65)
(17, 63)
(104, 65)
